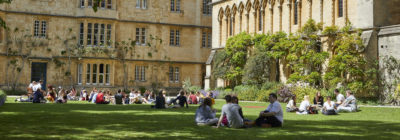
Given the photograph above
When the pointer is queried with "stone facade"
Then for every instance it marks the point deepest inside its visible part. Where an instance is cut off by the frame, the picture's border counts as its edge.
(231, 17)
(152, 63)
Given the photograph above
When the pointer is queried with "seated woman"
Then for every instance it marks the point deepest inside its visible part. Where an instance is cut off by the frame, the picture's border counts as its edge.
(51, 95)
(291, 106)
(160, 101)
(329, 107)
(205, 115)
(350, 104)
(304, 106)
(318, 99)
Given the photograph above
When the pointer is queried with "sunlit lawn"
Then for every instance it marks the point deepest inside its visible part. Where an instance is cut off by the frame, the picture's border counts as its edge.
(80, 120)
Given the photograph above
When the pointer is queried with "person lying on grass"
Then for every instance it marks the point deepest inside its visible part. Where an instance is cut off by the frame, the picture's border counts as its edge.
(231, 112)
(272, 116)
(205, 114)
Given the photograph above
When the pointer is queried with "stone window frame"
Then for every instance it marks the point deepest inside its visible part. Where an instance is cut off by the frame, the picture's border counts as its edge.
(207, 9)
(206, 38)
(141, 4)
(140, 73)
(80, 73)
(141, 36)
(340, 8)
(175, 37)
(102, 38)
(175, 6)
(94, 76)
(174, 74)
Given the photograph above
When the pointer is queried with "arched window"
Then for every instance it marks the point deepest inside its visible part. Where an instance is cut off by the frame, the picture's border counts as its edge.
(296, 4)
(340, 8)
(260, 19)
(230, 26)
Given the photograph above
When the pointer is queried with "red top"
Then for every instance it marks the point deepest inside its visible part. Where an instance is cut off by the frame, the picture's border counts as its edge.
(100, 98)
(193, 98)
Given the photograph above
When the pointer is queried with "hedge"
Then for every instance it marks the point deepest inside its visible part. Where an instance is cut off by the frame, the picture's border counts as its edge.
(3, 97)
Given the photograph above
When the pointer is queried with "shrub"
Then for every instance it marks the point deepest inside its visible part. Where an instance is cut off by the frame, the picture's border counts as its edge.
(284, 94)
(14, 92)
(224, 92)
(248, 93)
(300, 92)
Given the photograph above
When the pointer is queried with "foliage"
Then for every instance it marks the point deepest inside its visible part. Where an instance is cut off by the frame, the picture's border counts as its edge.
(187, 86)
(300, 92)
(247, 92)
(348, 66)
(3, 97)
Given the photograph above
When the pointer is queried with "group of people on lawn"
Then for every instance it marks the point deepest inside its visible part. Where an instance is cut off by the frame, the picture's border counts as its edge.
(342, 104)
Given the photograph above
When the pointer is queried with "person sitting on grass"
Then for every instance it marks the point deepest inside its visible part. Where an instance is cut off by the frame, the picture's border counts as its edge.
(118, 97)
(235, 101)
(350, 104)
(319, 99)
(304, 106)
(51, 95)
(291, 106)
(272, 116)
(181, 99)
(232, 114)
(329, 107)
(192, 98)
(205, 114)
(37, 93)
(160, 101)
(211, 95)
(339, 98)
(100, 99)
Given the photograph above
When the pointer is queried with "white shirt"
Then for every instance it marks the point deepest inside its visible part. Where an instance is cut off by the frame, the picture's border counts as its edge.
(31, 85)
(290, 104)
(340, 98)
(329, 107)
(132, 94)
(276, 107)
(304, 105)
(36, 87)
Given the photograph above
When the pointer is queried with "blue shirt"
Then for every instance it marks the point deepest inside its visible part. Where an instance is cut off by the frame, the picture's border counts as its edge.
(203, 114)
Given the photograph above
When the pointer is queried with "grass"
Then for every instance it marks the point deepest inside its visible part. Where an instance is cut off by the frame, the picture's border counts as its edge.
(80, 120)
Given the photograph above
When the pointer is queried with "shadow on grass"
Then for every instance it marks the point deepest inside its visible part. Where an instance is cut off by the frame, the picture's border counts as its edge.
(88, 121)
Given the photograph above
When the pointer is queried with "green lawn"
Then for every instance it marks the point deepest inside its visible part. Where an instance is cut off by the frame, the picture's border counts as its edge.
(80, 120)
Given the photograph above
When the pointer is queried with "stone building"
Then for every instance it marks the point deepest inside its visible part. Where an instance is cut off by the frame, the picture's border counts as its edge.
(65, 42)
(231, 17)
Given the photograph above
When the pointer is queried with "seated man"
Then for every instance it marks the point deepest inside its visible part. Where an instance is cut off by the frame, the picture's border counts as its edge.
(232, 114)
(37, 93)
(118, 97)
(272, 116)
(339, 98)
(182, 100)
(350, 104)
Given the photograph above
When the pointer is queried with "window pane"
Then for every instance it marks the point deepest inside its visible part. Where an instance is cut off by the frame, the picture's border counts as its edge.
(109, 4)
(103, 4)
(143, 41)
(96, 34)
(143, 73)
(203, 40)
(295, 13)
(340, 8)
(136, 72)
(138, 3)
(81, 30)
(209, 40)
(109, 35)
(176, 74)
(79, 73)
(144, 4)
(172, 5)
(94, 77)
(44, 28)
(90, 3)
(108, 73)
(177, 38)
(137, 36)
(36, 29)
(102, 31)
(89, 34)
(171, 74)
(172, 38)
(82, 3)
(260, 20)
(88, 73)
(178, 5)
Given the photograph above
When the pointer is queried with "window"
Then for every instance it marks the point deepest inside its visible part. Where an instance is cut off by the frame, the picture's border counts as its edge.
(174, 74)
(81, 30)
(176, 5)
(44, 28)
(260, 19)
(140, 73)
(103, 4)
(172, 38)
(88, 74)
(141, 36)
(171, 74)
(203, 40)
(209, 40)
(141, 4)
(102, 33)
(107, 74)
(89, 34)
(230, 27)
(206, 8)
(109, 35)
(36, 29)
(340, 8)
(79, 73)
(94, 77)
(96, 34)
(90, 3)
(82, 4)
(101, 73)
(109, 4)
(295, 13)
